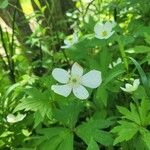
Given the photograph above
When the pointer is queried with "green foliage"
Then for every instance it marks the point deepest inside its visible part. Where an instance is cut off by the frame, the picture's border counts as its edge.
(56, 138)
(31, 40)
(67, 113)
(133, 122)
(91, 132)
(3, 4)
(36, 101)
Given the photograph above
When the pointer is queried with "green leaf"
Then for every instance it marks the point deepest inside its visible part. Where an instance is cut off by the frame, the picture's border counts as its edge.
(139, 49)
(142, 75)
(102, 94)
(36, 101)
(3, 4)
(144, 112)
(130, 115)
(56, 138)
(93, 129)
(113, 73)
(125, 131)
(38, 118)
(68, 113)
(146, 136)
(93, 145)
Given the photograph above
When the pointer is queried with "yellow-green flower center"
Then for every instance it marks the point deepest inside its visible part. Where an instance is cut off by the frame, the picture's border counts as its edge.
(74, 80)
(104, 33)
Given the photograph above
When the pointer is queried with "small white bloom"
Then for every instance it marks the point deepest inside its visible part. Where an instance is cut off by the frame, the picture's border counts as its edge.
(13, 119)
(119, 61)
(129, 87)
(103, 31)
(75, 81)
(70, 41)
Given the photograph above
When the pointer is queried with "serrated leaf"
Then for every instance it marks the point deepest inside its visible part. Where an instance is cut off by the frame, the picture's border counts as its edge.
(92, 129)
(56, 138)
(131, 115)
(125, 131)
(93, 145)
(36, 101)
(68, 113)
(146, 137)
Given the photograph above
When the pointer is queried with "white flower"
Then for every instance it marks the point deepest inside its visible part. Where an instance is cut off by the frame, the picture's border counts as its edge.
(70, 41)
(119, 61)
(75, 81)
(129, 87)
(33, 24)
(103, 31)
(13, 119)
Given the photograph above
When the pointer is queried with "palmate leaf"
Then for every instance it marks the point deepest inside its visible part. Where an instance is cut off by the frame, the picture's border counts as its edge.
(144, 112)
(56, 138)
(125, 131)
(93, 129)
(68, 113)
(145, 136)
(36, 101)
(93, 145)
(136, 118)
(130, 115)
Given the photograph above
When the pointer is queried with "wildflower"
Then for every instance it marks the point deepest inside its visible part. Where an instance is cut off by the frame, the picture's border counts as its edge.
(103, 31)
(13, 119)
(130, 88)
(75, 81)
(119, 61)
(70, 41)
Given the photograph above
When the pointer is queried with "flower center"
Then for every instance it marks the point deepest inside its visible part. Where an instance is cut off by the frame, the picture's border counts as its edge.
(74, 80)
(104, 33)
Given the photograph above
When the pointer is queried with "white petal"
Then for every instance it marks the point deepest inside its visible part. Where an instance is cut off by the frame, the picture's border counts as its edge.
(99, 36)
(108, 27)
(75, 38)
(80, 92)
(136, 83)
(98, 28)
(63, 90)
(11, 118)
(76, 70)
(128, 88)
(67, 42)
(119, 60)
(122, 88)
(92, 79)
(60, 75)
(20, 117)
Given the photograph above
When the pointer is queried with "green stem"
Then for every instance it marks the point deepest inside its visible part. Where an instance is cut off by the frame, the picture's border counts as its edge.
(123, 54)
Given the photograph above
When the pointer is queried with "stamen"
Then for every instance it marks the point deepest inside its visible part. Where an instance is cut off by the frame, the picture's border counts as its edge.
(104, 33)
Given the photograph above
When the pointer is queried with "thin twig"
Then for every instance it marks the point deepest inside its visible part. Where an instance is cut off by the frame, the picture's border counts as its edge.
(87, 8)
